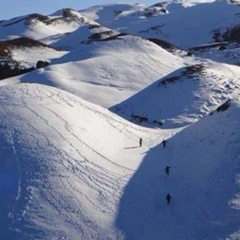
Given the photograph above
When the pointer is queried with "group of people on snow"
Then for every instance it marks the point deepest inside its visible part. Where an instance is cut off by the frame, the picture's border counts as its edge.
(164, 142)
(166, 170)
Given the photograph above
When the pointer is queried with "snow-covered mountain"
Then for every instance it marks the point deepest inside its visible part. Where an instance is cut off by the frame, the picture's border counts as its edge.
(41, 27)
(195, 91)
(64, 164)
(203, 183)
(79, 90)
(192, 29)
(70, 169)
(106, 72)
(26, 52)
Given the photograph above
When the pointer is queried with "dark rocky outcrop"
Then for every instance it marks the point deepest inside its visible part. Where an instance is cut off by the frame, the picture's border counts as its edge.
(42, 64)
(7, 71)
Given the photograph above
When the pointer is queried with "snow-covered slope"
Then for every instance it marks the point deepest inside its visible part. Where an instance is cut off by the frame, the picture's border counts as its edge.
(104, 14)
(63, 166)
(72, 170)
(85, 34)
(226, 52)
(192, 29)
(203, 182)
(25, 52)
(40, 27)
(107, 72)
(109, 14)
(183, 97)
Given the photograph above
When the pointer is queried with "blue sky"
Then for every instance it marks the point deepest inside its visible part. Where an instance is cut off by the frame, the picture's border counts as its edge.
(14, 8)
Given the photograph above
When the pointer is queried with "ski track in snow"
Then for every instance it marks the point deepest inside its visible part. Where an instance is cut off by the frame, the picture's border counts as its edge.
(75, 171)
(108, 185)
(105, 184)
(18, 167)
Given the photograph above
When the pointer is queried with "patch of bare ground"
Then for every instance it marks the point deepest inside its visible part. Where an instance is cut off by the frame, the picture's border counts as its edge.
(189, 72)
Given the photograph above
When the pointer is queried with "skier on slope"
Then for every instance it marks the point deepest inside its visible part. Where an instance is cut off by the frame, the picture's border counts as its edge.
(166, 170)
(140, 142)
(168, 198)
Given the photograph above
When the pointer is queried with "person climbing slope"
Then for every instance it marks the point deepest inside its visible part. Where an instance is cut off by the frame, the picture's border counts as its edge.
(168, 198)
(164, 143)
(166, 170)
(140, 142)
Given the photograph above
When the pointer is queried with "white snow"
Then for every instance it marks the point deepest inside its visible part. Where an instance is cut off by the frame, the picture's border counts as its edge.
(107, 13)
(230, 55)
(70, 159)
(107, 72)
(193, 95)
(70, 169)
(203, 183)
(29, 56)
(31, 27)
(195, 24)
(84, 34)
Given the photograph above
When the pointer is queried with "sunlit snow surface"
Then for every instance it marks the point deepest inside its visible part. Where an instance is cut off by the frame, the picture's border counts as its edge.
(70, 169)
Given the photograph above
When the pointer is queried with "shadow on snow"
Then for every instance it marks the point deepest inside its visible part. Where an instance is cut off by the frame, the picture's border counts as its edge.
(202, 183)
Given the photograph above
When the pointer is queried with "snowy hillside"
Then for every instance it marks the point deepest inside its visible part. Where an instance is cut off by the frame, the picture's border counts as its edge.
(106, 111)
(106, 72)
(203, 183)
(104, 14)
(225, 52)
(70, 170)
(192, 29)
(86, 34)
(26, 52)
(40, 27)
(183, 97)
(64, 164)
